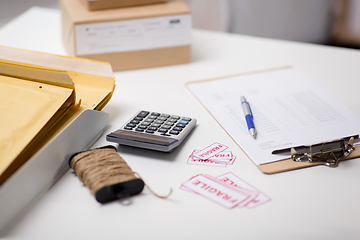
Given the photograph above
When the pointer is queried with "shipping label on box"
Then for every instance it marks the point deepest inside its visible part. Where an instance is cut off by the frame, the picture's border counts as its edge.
(133, 35)
(108, 4)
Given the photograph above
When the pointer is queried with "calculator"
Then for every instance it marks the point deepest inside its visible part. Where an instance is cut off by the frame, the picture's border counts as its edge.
(153, 130)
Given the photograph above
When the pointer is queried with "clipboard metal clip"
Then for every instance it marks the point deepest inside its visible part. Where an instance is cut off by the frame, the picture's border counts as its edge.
(327, 153)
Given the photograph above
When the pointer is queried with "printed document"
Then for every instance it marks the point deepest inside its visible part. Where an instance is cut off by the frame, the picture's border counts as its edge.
(289, 110)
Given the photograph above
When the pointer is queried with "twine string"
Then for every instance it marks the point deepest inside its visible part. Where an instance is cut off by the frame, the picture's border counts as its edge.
(159, 196)
(102, 167)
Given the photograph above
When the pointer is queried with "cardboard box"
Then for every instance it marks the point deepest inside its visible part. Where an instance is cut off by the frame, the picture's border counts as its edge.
(106, 4)
(129, 38)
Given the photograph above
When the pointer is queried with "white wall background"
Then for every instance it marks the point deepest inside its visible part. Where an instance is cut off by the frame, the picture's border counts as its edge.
(297, 20)
(9, 9)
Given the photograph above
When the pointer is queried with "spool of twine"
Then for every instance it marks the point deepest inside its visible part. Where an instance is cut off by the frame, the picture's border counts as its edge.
(106, 174)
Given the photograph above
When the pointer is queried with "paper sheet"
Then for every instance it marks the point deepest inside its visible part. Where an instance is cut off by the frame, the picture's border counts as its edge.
(289, 110)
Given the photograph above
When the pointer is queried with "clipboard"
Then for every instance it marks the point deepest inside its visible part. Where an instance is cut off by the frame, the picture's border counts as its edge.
(278, 166)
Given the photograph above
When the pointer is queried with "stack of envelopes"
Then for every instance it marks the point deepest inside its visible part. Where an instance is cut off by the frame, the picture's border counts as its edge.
(40, 94)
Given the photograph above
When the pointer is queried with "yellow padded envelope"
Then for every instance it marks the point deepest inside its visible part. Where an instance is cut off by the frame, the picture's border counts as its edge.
(40, 95)
(29, 109)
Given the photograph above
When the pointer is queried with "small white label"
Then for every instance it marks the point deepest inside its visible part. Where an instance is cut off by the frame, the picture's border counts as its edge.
(133, 35)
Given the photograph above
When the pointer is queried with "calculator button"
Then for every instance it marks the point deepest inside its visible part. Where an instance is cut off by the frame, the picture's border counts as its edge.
(155, 125)
(152, 128)
(177, 128)
(180, 125)
(131, 125)
(149, 131)
(186, 119)
(138, 118)
(162, 130)
(159, 122)
(165, 115)
(143, 114)
(166, 126)
(155, 114)
(149, 120)
(172, 120)
(175, 117)
(169, 123)
(128, 128)
(162, 118)
(142, 126)
(174, 132)
(182, 121)
(134, 121)
(145, 123)
(151, 117)
(139, 129)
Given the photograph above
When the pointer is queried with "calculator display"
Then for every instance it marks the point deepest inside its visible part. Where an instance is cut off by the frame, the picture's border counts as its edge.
(134, 136)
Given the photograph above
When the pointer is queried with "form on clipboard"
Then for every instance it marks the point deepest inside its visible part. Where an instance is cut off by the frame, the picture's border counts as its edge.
(289, 110)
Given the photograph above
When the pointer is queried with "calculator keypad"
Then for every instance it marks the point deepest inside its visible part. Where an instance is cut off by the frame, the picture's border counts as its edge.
(153, 130)
(157, 123)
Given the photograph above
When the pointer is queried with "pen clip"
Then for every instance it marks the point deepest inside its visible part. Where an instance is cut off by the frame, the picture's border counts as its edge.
(250, 110)
(247, 103)
(244, 101)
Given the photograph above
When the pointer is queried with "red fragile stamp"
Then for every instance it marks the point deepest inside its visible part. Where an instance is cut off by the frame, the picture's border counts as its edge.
(213, 155)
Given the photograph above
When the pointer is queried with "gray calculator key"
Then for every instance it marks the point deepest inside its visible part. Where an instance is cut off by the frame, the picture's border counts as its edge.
(131, 125)
(177, 129)
(134, 121)
(166, 126)
(159, 121)
(169, 123)
(152, 128)
(163, 130)
(143, 114)
(162, 118)
(148, 120)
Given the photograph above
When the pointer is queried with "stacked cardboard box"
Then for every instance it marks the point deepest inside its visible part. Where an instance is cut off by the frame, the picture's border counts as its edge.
(131, 37)
(107, 4)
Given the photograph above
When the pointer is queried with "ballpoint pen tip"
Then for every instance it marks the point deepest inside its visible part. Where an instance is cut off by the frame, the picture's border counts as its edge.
(253, 133)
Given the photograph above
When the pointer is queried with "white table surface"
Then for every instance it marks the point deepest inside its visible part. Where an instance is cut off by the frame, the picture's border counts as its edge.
(312, 203)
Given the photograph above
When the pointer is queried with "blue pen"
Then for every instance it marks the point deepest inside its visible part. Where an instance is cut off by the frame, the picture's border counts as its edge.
(248, 117)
